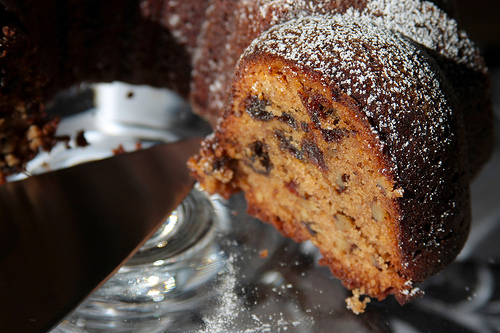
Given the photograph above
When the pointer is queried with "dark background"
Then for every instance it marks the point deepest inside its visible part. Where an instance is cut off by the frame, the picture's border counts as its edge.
(481, 19)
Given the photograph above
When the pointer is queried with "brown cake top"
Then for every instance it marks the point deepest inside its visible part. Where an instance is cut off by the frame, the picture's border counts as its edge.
(421, 21)
(427, 25)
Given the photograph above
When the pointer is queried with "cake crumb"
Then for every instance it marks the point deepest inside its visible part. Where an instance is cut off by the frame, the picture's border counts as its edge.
(264, 253)
(355, 304)
(118, 150)
(80, 140)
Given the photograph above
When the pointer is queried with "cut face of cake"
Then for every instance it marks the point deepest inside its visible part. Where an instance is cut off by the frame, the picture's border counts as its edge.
(321, 152)
(306, 166)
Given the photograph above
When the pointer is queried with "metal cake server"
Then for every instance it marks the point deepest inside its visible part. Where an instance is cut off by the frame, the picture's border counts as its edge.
(64, 233)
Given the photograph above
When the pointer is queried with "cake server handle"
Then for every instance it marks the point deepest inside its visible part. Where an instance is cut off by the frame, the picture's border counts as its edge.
(65, 232)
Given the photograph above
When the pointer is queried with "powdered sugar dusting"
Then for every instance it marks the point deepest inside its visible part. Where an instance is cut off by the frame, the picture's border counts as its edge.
(424, 23)
(418, 20)
(228, 308)
(229, 314)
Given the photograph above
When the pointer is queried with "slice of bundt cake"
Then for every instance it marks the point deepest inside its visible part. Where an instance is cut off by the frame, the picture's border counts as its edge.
(345, 134)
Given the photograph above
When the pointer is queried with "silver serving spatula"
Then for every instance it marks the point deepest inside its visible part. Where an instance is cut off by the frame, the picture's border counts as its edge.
(64, 233)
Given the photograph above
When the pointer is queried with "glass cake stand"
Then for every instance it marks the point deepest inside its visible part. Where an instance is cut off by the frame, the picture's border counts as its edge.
(212, 268)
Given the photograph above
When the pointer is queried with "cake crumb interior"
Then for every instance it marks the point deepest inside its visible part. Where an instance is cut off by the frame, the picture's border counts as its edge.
(306, 169)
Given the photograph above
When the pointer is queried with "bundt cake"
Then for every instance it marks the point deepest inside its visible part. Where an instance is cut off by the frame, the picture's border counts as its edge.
(349, 129)
(355, 124)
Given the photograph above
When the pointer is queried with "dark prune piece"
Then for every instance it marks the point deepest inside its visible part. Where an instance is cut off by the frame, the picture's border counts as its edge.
(304, 126)
(256, 108)
(333, 135)
(261, 163)
(288, 119)
(314, 154)
(221, 163)
(315, 106)
(285, 143)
